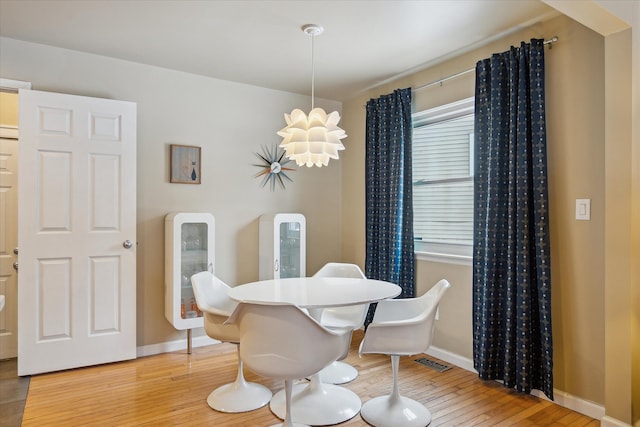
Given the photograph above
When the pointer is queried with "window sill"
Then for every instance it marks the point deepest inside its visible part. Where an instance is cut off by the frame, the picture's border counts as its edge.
(444, 258)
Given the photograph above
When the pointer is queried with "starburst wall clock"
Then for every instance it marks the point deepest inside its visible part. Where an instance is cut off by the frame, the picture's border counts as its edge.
(273, 167)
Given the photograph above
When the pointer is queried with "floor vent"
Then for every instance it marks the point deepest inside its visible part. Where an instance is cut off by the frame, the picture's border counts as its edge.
(433, 364)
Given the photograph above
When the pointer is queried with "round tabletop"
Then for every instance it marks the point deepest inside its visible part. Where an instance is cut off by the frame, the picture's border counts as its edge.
(315, 292)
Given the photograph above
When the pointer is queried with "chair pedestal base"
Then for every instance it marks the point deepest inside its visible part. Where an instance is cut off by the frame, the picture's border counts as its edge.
(292, 425)
(338, 373)
(318, 404)
(385, 411)
(236, 397)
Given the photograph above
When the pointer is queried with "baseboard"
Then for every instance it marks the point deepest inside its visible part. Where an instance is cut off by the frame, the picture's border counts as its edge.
(607, 421)
(449, 357)
(574, 403)
(167, 347)
(561, 398)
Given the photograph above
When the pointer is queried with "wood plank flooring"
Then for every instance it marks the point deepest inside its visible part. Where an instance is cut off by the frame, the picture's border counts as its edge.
(171, 389)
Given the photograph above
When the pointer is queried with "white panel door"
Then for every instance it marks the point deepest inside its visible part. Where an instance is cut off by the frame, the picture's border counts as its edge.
(76, 232)
(8, 241)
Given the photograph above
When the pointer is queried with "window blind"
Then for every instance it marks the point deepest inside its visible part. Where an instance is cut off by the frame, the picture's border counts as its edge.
(443, 178)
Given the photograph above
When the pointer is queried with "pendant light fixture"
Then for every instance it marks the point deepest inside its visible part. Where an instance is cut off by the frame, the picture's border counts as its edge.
(315, 139)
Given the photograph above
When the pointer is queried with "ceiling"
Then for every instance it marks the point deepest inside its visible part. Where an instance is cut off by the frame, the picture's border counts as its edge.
(260, 42)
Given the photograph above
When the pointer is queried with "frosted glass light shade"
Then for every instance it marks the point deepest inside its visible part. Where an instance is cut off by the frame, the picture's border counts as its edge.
(312, 140)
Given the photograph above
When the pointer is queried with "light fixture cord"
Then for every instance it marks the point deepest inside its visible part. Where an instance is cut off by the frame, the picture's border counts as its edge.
(313, 72)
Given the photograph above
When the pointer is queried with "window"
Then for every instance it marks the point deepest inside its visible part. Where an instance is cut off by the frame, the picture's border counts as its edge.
(443, 181)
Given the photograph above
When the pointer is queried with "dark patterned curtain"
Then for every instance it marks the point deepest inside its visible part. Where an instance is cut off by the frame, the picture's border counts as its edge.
(389, 200)
(511, 264)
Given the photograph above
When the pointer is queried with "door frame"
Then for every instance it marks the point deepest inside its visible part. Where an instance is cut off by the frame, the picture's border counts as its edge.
(8, 85)
(9, 339)
(8, 132)
(13, 86)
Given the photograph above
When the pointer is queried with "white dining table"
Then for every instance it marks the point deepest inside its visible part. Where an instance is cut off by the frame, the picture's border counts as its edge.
(314, 402)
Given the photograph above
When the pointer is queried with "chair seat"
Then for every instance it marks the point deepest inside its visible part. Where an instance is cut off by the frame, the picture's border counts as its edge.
(344, 317)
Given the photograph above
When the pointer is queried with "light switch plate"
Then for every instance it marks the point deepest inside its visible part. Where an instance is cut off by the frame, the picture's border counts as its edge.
(583, 209)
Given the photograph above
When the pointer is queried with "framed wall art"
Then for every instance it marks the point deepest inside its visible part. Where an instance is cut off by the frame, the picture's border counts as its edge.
(185, 164)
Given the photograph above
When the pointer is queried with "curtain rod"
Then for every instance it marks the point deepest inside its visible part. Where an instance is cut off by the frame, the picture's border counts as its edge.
(470, 70)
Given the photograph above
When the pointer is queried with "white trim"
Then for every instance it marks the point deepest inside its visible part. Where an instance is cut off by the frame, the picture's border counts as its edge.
(454, 359)
(472, 156)
(167, 347)
(444, 258)
(444, 252)
(574, 403)
(9, 132)
(450, 111)
(608, 421)
(13, 85)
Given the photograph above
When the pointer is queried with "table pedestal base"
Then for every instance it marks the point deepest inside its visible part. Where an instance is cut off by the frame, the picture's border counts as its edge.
(338, 373)
(318, 404)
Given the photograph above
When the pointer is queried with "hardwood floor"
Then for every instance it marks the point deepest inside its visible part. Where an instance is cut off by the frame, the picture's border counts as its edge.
(171, 389)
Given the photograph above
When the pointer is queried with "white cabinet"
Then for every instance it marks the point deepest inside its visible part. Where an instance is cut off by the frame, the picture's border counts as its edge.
(282, 246)
(189, 249)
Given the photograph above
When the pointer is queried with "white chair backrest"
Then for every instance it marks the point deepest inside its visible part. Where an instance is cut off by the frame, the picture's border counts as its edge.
(339, 269)
(404, 326)
(281, 341)
(212, 294)
(431, 300)
(212, 297)
(354, 314)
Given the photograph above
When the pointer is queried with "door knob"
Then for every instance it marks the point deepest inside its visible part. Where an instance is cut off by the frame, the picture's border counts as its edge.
(15, 265)
(127, 244)
(15, 251)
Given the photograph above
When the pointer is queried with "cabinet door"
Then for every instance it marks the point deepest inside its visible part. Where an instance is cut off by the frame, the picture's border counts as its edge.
(289, 249)
(189, 240)
(194, 258)
(282, 246)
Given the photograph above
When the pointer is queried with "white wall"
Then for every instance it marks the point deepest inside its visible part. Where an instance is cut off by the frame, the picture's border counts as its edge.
(230, 121)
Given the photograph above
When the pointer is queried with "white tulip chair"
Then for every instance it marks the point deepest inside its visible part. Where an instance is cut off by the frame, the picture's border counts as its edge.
(212, 298)
(282, 341)
(401, 327)
(351, 317)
